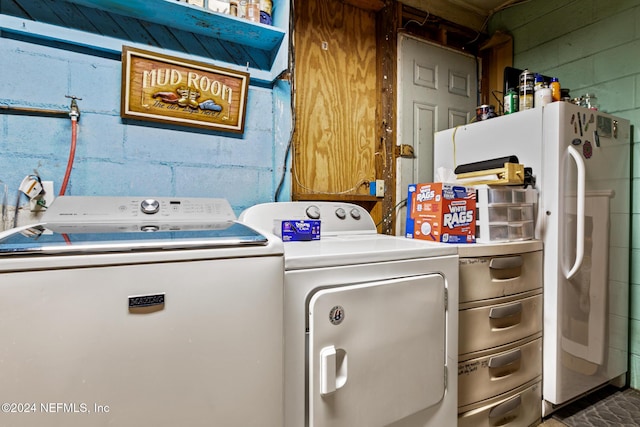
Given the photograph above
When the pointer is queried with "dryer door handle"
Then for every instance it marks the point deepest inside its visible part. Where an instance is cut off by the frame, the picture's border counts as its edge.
(333, 369)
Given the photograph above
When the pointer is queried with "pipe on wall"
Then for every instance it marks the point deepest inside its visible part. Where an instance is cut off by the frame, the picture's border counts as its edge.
(40, 112)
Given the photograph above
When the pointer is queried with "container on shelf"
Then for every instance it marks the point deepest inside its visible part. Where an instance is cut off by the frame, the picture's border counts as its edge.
(266, 8)
(220, 6)
(253, 10)
(505, 214)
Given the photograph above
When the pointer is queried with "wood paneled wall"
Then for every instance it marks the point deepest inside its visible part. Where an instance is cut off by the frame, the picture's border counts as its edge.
(335, 101)
(344, 84)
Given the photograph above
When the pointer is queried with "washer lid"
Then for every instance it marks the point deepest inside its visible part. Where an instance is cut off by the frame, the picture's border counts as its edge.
(85, 238)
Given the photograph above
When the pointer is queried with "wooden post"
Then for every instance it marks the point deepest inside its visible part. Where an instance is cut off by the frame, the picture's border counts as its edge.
(387, 21)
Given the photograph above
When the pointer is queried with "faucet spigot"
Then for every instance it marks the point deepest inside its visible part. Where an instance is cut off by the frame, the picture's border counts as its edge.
(74, 110)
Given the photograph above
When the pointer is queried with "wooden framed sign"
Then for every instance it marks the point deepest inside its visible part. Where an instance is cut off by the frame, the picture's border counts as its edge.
(167, 89)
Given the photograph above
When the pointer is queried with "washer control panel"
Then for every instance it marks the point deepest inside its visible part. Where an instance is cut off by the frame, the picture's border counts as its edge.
(132, 209)
(150, 206)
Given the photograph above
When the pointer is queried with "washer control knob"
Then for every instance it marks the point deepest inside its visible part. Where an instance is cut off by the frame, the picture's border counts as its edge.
(340, 213)
(150, 206)
(149, 228)
(313, 212)
(355, 214)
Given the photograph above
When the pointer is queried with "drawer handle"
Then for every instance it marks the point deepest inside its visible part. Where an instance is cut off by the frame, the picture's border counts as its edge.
(506, 407)
(504, 263)
(505, 359)
(506, 311)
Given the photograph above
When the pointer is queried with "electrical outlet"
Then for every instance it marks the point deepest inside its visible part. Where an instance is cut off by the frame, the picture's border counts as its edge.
(47, 198)
(379, 187)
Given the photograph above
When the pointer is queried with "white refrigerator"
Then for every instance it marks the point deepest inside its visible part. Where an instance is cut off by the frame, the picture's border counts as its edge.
(581, 160)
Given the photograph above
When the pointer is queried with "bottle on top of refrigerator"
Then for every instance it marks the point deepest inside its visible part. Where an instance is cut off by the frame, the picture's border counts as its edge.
(526, 90)
(510, 101)
(590, 101)
(542, 96)
(538, 81)
(556, 92)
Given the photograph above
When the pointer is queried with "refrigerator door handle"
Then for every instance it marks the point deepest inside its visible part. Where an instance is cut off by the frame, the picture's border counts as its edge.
(580, 198)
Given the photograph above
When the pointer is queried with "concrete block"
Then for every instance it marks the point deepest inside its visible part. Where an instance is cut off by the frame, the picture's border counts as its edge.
(133, 178)
(97, 81)
(242, 187)
(38, 74)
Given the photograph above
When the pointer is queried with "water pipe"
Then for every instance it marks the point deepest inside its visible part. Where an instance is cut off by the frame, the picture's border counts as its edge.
(26, 111)
(74, 114)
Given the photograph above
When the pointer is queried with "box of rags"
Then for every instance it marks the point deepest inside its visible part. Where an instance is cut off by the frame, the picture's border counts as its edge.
(441, 212)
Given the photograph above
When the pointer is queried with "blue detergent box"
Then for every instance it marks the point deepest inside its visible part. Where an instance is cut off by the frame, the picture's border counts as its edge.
(300, 230)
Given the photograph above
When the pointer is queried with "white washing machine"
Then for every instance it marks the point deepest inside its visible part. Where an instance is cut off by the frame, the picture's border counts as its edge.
(140, 312)
(370, 322)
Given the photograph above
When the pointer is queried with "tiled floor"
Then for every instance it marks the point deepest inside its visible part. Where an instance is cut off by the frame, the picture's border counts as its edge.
(552, 423)
(608, 407)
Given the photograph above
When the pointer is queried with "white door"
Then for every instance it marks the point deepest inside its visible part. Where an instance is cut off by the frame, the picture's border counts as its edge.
(376, 351)
(437, 90)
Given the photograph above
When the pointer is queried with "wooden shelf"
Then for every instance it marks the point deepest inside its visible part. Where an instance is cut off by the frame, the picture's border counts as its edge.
(195, 20)
(337, 197)
(367, 202)
(184, 29)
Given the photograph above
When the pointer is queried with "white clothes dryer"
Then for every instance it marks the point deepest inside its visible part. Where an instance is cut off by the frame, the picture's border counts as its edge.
(127, 311)
(370, 322)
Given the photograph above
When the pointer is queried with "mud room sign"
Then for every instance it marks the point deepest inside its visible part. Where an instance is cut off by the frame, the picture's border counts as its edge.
(171, 90)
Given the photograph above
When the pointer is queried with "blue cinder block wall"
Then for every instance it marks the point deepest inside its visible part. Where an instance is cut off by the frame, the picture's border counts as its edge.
(116, 158)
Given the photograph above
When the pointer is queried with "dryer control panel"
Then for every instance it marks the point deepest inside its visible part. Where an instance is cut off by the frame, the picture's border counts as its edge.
(336, 218)
(339, 217)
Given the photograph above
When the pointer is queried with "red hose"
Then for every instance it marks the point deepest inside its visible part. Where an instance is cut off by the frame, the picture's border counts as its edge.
(72, 155)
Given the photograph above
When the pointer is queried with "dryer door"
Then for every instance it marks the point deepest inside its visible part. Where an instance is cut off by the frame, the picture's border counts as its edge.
(376, 351)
